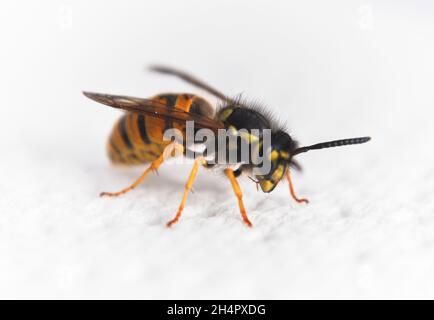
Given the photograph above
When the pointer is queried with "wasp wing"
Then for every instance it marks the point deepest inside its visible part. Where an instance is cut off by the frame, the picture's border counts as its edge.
(154, 109)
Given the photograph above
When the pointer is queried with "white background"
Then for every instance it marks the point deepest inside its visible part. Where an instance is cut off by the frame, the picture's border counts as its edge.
(329, 69)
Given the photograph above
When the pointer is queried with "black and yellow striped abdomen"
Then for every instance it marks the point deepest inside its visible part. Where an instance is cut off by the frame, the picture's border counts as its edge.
(138, 139)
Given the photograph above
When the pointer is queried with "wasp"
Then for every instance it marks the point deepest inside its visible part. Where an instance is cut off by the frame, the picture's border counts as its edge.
(138, 137)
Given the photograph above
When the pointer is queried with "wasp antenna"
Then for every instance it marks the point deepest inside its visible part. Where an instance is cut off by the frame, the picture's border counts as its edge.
(332, 144)
(193, 81)
(188, 78)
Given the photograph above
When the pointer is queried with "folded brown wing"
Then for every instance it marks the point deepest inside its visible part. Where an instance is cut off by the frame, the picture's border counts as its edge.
(154, 109)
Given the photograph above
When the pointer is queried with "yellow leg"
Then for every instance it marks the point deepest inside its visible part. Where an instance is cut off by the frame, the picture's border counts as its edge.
(291, 189)
(154, 166)
(172, 148)
(239, 196)
(188, 187)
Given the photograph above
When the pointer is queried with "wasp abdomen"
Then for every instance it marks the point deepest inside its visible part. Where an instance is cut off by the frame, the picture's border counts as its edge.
(129, 142)
(138, 139)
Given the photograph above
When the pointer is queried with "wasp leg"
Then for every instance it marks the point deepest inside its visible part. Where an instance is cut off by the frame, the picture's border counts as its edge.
(153, 167)
(170, 151)
(188, 187)
(239, 195)
(291, 189)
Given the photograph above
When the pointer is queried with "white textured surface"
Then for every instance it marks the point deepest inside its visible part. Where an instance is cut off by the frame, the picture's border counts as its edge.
(339, 70)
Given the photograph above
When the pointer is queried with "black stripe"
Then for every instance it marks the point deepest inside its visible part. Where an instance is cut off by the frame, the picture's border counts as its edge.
(170, 104)
(195, 107)
(142, 129)
(123, 131)
(187, 96)
(117, 151)
(133, 156)
(150, 153)
(114, 147)
(170, 100)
